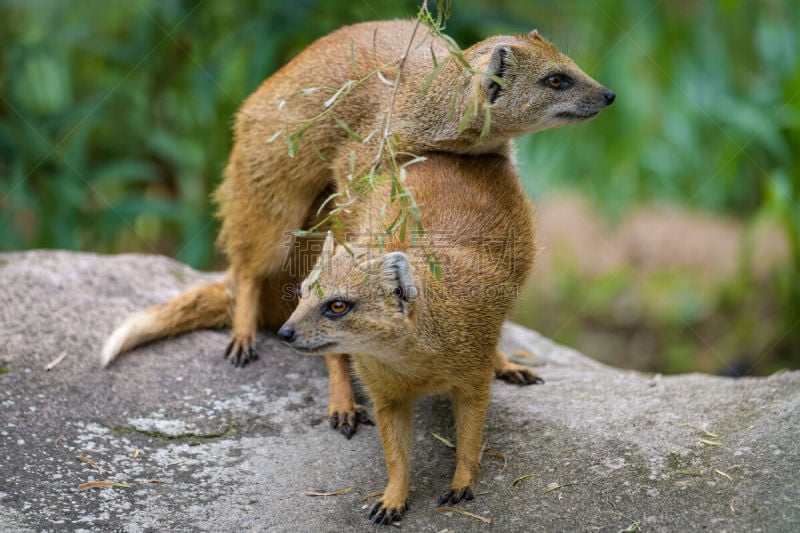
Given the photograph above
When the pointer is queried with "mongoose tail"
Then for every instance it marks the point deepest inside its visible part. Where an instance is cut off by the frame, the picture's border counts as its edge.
(207, 306)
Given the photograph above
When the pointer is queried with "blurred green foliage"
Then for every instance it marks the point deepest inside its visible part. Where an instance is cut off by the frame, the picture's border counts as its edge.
(115, 116)
(707, 117)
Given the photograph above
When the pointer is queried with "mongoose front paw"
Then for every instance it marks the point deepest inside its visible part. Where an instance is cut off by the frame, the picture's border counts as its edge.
(455, 496)
(347, 421)
(519, 375)
(241, 352)
(383, 515)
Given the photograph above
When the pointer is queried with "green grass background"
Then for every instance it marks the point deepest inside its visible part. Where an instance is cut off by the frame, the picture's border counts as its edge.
(115, 125)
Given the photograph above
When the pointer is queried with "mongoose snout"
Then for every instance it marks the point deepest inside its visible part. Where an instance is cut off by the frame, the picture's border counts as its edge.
(287, 333)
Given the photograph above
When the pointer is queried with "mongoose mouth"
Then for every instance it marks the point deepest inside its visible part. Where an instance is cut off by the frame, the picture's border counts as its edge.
(577, 116)
(314, 350)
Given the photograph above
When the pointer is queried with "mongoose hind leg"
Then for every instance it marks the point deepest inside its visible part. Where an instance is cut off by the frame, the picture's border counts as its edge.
(344, 414)
(469, 407)
(242, 347)
(260, 259)
(395, 422)
(261, 202)
(513, 372)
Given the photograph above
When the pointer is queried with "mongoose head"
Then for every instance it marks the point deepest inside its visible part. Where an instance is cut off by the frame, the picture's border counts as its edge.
(542, 87)
(353, 306)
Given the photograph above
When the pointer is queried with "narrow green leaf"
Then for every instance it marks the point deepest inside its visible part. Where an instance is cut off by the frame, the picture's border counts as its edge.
(404, 124)
(435, 266)
(487, 123)
(497, 79)
(429, 80)
(353, 135)
(353, 58)
(308, 233)
(294, 139)
(433, 57)
(399, 221)
(453, 100)
(458, 55)
(462, 124)
(313, 277)
(327, 201)
(374, 177)
(328, 103)
(317, 151)
(418, 159)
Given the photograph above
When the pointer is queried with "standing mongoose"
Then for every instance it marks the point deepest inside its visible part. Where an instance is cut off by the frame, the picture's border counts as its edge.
(269, 191)
(410, 331)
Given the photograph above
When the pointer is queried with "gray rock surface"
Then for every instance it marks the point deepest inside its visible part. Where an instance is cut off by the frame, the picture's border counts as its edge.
(238, 449)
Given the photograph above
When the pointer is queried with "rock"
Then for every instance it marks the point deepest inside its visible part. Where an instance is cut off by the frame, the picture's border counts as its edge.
(237, 449)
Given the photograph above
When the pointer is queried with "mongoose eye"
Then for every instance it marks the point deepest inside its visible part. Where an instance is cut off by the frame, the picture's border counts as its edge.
(554, 81)
(336, 308)
(557, 81)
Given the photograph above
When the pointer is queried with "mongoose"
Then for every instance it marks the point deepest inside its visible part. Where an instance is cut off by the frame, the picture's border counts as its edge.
(410, 332)
(268, 192)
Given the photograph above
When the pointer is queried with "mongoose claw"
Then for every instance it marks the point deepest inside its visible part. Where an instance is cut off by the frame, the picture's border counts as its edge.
(519, 376)
(455, 496)
(385, 516)
(254, 354)
(362, 417)
(347, 423)
(240, 353)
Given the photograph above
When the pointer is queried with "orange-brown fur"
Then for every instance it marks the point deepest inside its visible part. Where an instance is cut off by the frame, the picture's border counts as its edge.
(266, 193)
(410, 333)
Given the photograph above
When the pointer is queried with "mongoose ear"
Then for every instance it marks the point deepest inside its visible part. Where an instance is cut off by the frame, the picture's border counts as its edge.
(498, 66)
(534, 34)
(396, 275)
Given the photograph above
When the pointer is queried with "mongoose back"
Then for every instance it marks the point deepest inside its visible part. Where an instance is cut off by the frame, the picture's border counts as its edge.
(411, 332)
(268, 192)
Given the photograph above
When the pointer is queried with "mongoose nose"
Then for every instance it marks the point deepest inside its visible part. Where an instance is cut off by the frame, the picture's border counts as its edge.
(609, 95)
(287, 333)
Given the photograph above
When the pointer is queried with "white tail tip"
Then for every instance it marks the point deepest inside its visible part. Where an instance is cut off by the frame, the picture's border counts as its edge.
(128, 334)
